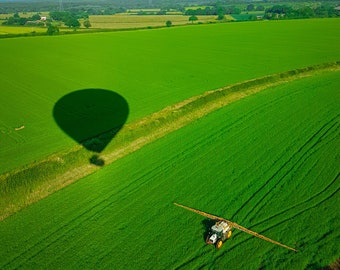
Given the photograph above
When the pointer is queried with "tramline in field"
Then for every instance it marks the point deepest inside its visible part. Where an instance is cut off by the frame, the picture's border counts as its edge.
(221, 231)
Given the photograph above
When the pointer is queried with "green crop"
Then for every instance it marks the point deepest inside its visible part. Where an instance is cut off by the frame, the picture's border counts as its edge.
(150, 69)
(268, 162)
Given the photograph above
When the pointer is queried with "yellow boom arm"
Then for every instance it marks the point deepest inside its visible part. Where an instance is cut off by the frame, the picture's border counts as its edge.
(235, 225)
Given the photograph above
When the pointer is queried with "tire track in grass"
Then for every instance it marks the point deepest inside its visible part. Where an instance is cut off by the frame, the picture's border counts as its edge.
(320, 143)
(63, 231)
(103, 204)
(193, 259)
(314, 201)
(293, 216)
(253, 164)
(332, 184)
(299, 155)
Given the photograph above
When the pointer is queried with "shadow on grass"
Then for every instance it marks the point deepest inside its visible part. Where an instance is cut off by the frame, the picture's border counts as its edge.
(91, 117)
(207, 224)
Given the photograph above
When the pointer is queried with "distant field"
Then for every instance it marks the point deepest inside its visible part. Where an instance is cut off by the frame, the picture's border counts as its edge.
(244, 16)
(150, 69)
(119, 21)
(136, 21)
(4, 30)
(269, 162)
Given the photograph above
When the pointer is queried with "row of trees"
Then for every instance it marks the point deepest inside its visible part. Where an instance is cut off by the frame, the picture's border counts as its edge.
(56, 19)
(287, 12)
(70, 19)
(213, 10)
(17, 20)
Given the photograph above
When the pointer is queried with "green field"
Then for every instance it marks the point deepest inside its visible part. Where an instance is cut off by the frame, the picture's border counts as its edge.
(125, 21)
(165, 66)
(5, 30)
(268, 162)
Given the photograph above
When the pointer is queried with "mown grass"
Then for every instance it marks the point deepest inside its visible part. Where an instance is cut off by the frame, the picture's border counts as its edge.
(150, 69)
(23, 187)
(267, 162)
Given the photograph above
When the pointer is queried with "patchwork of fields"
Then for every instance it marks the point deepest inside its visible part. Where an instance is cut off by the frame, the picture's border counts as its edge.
(118, 22)
(268, 162)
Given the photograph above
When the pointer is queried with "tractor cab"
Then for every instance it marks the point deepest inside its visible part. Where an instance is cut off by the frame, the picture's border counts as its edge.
(218, 233)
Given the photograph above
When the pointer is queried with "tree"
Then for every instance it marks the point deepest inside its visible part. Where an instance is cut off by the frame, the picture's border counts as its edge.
(52, 29)
(220, 17)
(193, 18)
(72, 22)
(250, 7)
(87, 23)
(35, 17)
(58, 15)
(168, 23)
(16, 20)
(260, 8)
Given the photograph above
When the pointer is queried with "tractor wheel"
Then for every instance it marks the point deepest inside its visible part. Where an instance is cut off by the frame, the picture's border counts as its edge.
(229, 234)
(219, 244)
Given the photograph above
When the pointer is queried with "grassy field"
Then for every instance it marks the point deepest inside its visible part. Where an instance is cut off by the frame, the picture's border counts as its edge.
(5, 30)
(164, 67)
(268, 162)
(123, 21)
(81, 114)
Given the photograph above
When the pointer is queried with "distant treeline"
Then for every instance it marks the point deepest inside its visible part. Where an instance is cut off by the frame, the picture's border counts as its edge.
(93, 7)
(274, 12)
(213, 10)
(79, 10)
(287, 12)
(17, 20)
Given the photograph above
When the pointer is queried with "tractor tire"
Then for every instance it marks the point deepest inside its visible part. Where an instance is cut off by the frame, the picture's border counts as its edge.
(229, 234)
(219, 243)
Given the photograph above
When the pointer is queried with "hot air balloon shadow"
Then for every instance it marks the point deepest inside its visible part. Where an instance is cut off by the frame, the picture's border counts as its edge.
(92, 117)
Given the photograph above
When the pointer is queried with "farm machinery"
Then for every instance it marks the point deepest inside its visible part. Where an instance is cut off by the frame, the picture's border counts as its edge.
(222, 230)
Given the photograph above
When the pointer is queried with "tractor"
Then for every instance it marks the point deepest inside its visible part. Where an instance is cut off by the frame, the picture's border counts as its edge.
(218, 233)
(221, 231)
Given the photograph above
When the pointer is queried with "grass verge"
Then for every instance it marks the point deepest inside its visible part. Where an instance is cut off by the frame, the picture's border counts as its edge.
(35, 181)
